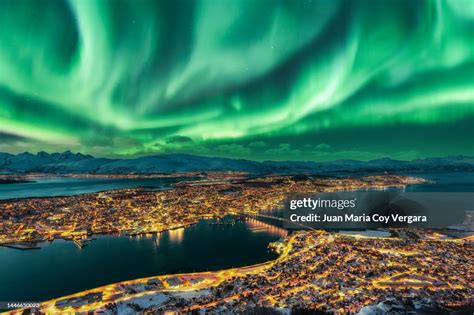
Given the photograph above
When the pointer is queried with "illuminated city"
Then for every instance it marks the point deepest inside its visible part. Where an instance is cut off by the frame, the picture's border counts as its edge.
(315, 270)
(138, 211)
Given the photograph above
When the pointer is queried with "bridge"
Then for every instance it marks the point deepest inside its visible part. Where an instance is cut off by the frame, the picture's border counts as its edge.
(260, 215)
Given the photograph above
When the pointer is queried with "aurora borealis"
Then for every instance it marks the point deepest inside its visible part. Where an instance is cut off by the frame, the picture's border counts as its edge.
(256, 79)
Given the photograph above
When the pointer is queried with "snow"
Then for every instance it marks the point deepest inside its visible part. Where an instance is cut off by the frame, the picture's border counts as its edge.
(191, 294)
(145, 301)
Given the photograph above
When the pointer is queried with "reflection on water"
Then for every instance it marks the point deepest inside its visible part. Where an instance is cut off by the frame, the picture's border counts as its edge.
(60, 267)
(257, 226)
(176, 235)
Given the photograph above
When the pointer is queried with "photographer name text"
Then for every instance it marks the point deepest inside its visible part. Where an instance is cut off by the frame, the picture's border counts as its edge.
(312, 217)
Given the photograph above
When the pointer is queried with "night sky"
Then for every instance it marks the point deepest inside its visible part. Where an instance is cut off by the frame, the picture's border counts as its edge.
(254, 79)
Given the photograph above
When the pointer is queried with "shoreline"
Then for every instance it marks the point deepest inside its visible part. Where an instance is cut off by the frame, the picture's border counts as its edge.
(90, 237)
(409, 179)
(194, 281)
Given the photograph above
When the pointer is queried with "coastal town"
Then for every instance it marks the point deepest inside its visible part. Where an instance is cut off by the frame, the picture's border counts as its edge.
(316, 270)
(408, 269)
(26, 222)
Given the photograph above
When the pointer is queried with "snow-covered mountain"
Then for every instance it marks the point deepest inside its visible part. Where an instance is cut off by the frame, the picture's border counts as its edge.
(68, 162)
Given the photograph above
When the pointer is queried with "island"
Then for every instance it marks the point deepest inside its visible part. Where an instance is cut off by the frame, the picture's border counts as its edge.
(141, 211)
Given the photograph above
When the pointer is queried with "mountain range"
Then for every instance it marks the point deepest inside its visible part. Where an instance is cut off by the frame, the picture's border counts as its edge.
(68, 162)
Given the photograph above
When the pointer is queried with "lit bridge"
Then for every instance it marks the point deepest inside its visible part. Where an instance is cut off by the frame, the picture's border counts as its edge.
(266, 216)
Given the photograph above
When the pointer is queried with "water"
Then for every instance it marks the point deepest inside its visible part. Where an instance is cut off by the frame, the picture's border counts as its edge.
(49, 187)
(443, 182)
(61, 268)
(447, 208)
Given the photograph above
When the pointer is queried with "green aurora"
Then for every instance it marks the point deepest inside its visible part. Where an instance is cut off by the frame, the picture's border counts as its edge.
(255, 79)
